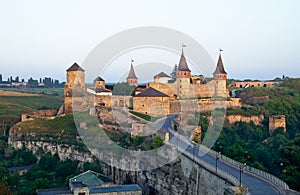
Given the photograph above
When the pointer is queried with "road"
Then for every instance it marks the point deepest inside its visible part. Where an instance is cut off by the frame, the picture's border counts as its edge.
(255, 185)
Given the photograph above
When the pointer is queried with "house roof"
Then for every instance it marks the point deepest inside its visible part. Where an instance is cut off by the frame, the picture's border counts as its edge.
(75, 67)
(19, 168)
(55, 191)
(131, 74)
(151, 92)
(90, 179)
(100, 89)
(122, 188)
(162, 74)
(182, 66)
(220, 67)
(98, 79)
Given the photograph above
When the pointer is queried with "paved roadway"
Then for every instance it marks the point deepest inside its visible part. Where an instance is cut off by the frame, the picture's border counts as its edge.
(255, 185)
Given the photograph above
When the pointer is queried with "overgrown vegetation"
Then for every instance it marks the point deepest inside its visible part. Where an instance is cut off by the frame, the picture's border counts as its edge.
(48, 172)
(278, 154)
(144, 116)
(137, 142)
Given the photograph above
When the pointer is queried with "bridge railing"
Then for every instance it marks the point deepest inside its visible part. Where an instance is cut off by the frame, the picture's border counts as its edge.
(271, 178)
(230, 178)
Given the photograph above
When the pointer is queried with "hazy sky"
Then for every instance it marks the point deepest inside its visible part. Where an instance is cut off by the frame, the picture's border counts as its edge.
(260, 38)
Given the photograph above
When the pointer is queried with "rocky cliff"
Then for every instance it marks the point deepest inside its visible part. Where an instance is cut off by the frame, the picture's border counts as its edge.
(181, 176)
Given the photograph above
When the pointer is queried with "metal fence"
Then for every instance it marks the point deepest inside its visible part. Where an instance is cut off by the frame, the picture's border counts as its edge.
(230, 178)
(271, 178)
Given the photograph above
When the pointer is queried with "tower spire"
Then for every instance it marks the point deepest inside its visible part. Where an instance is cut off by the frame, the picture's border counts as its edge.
(132, 78)
(220, 67)
(182, 65)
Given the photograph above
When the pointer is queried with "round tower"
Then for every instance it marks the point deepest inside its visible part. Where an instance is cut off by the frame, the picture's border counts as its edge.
(99, 82)
(75, 81)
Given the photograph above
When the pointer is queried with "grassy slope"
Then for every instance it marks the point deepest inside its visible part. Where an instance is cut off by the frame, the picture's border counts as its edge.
(63, 127)
(45, 91)
(12, 106)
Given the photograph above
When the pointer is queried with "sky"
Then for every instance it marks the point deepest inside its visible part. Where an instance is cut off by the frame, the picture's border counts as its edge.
(260, 38)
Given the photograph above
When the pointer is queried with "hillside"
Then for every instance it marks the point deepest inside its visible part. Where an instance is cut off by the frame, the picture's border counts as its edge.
(278, 154)
(12, 104)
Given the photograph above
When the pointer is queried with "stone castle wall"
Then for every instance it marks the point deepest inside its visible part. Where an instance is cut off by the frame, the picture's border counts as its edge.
(256, 119)
(153, 106)
(243, 84)
(275, 122)
(38, 114)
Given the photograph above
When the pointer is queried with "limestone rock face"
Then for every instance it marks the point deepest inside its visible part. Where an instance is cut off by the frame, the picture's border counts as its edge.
(181, 176)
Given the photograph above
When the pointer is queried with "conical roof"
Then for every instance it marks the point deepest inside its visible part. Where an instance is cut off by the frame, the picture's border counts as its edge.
(131, 74)
(98, 79)
(220, 67)
(75, 67)
(182, 66)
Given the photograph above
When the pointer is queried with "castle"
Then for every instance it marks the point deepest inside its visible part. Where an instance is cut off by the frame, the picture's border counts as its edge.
(161, 97)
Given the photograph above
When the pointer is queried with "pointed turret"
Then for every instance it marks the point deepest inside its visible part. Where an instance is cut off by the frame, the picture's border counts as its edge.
(182, 66)
(131, 74)
(183, 70)
(132, 79)
(220, 77)
(220, 67)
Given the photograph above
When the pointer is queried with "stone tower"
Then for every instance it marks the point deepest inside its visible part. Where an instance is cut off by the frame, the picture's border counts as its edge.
(183, 77)
(99, 82)
(276, 122)
(75, 82)
(220, 78)
(132, 79)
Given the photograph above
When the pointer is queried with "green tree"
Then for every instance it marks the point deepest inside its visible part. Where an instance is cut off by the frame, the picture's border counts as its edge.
(173, 73)
(123, 89)
(93, 166)
(157, 142)
(48, 162)
(66, 168)
(42, 183)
